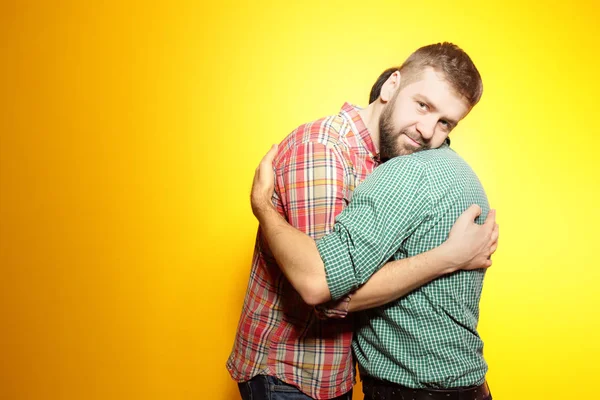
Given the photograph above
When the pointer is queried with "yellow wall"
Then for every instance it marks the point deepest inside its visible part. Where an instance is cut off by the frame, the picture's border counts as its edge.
(129, 136)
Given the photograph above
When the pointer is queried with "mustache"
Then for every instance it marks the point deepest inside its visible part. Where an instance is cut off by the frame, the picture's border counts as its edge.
(414, 136)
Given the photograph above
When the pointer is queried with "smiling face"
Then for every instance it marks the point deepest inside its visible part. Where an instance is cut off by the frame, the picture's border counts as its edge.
(420, 115)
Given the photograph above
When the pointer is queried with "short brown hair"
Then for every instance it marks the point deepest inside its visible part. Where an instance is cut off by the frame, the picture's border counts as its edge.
(450, 60)
(447, 58)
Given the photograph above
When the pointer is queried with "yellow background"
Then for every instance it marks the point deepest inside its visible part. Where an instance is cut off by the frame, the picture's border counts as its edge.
(129, 136)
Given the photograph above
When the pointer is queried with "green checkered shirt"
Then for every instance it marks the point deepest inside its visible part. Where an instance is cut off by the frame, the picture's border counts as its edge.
(408, 206)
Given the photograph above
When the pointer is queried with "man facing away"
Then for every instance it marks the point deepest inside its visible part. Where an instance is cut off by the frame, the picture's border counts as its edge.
(281, 347)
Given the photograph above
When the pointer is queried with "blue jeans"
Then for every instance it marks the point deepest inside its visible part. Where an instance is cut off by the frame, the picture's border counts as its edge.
(263, 387)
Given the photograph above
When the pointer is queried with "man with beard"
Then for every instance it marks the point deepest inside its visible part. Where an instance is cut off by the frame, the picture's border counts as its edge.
(281, 348)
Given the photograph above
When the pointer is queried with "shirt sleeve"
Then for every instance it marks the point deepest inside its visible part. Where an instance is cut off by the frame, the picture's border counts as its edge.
(385, 210)
(334, 309)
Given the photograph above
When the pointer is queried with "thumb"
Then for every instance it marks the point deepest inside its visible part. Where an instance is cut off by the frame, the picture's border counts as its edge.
(272, 152)
(473, 212)
(270, 156)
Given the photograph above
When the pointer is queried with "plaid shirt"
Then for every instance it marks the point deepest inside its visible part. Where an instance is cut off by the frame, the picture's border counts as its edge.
(317, 168)
(429, 337)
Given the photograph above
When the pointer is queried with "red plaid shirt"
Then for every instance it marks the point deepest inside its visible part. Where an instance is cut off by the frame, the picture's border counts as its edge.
(317, 168)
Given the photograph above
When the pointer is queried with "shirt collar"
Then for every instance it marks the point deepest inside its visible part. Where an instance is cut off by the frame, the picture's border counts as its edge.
(350, 112)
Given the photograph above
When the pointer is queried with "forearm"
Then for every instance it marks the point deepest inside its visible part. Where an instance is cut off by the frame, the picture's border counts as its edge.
(296, 254)
(398, 278)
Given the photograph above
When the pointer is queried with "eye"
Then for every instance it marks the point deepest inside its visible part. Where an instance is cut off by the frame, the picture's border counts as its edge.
(445, 124)
(422, 105)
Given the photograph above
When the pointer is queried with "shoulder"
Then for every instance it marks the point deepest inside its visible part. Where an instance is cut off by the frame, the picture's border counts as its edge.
(445, 171)
(428, 166)
(322, 135)
(443, 161)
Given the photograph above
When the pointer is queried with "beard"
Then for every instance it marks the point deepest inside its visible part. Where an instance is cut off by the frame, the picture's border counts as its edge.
(389, 144)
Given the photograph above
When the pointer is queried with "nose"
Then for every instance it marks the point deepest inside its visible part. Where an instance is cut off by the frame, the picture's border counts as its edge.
(426, 127)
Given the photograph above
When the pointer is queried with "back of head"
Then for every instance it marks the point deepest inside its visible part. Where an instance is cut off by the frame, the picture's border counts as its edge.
(445, 58)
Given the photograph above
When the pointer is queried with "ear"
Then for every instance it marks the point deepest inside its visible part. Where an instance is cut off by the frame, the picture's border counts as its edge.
(390, 86)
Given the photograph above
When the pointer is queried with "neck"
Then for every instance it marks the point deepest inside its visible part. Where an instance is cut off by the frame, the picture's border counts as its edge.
(370, 116)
